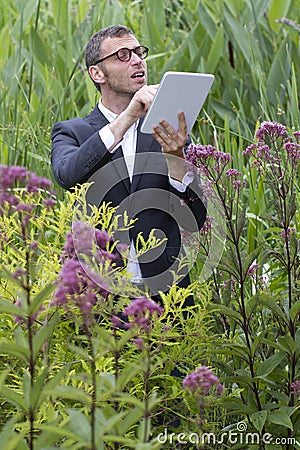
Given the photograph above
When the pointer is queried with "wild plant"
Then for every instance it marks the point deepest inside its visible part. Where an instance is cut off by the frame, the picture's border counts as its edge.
(256, 290)
(87, 360)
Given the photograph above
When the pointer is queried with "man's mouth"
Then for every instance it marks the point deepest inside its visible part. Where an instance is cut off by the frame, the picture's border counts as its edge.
(139, 74)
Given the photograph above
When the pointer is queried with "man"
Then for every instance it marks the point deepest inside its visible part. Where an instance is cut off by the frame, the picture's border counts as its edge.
(144, 175)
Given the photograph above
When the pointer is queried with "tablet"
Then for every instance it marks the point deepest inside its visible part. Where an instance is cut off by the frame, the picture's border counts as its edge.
(178, 91)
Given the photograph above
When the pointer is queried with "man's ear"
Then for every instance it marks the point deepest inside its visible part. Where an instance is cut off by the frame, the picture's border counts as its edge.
(96, 74)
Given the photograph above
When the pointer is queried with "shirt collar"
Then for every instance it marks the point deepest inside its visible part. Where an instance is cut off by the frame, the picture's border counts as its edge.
(108, 114)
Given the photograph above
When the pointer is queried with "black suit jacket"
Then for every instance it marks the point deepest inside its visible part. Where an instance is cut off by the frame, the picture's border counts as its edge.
(79, 155)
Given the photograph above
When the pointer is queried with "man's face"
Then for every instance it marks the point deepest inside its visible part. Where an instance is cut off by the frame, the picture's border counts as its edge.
(122, 77)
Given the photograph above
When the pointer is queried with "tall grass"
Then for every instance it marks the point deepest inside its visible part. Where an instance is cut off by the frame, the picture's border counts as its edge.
(251, 50)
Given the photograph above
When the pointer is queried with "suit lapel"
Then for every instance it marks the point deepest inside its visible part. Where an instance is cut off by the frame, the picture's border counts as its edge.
(97, 121)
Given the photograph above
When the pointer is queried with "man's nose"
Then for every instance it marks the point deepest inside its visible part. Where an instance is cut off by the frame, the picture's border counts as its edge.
(135, 59)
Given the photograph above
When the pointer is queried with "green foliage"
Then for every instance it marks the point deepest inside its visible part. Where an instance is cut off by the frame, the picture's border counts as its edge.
(252, 47)
(75, 379)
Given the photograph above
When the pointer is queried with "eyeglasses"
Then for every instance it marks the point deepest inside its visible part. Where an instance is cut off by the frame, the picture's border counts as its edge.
(124, 54)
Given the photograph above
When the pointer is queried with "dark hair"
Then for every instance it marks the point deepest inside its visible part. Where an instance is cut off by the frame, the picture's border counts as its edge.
(93, 47)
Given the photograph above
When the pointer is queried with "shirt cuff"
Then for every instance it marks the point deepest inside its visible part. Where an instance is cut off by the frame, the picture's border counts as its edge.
(108, 138)
(182, 185)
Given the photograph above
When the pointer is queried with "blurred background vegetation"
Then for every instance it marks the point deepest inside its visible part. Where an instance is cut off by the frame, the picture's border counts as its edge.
(251, 46)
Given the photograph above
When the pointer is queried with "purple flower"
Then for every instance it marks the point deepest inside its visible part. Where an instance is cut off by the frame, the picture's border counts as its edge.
(207, 158)
(201, 380)
(49, 203)
(207, 226)
(28, 183)
(249, 150)
(292, 150)
(75, 285)
(139, 343)
(272, 138)
(238, 184)
(233, 173)
(84, 239)
(287, 233)
(296, 388)
(142, 310)
(252, 269)
(116, 322)
(270, 132)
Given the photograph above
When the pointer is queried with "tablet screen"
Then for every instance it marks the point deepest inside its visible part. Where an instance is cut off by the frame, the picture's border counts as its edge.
(178, 91)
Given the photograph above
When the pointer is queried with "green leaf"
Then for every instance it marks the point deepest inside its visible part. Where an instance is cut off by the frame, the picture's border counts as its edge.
(10, 308)
(240, 35)
(40, 298)
(15, 350)
(259, 419)
(273, 306)
(279, 417)
(53, 382)
(80, 425)
(13, 397)
(131, 419)
(288, 344)
(279, 72)
(9, 439)
(38, 389)
(110, 422)
(295, 310)
(216, 51)
(229, 312)
(43, 334)
(277, 10)
(127, 373)
(63, 432)
(72, 393)
(79, 351)
(258, 339)
(270, 364)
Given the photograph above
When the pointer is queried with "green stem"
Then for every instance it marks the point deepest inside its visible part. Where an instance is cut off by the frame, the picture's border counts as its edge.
(146, 389)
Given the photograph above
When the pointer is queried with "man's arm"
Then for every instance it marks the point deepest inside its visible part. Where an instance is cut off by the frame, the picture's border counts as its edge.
(77, 152)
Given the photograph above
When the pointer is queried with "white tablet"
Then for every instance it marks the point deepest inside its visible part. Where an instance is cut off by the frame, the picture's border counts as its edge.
(178, 91)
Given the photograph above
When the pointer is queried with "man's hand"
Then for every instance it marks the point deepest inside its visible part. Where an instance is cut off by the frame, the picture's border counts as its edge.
(172, 143)
(137, 108)
(141, 102)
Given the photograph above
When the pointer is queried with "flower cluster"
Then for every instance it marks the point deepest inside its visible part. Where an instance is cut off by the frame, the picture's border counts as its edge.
(78, 283)
(286, 234)
(273, 144)
(236, 178)
(252, 270)
(86, 240)
(206, 158)
(296, 388)
(27, 184)
(202, 380)
(141, 311)
(270, 132)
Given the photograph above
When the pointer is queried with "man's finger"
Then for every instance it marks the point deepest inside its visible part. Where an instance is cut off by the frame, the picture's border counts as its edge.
(182, 127)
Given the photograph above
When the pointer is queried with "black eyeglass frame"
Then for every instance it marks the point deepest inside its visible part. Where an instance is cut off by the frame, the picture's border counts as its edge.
(134, 50)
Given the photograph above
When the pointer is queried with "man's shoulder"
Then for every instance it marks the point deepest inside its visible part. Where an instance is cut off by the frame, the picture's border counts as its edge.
(70, 123)
(95, 118)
